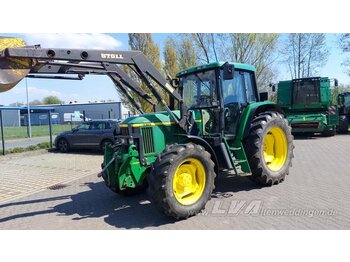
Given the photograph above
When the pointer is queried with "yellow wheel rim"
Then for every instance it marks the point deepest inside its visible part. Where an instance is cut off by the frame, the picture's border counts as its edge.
(275, 148)
(189, 181)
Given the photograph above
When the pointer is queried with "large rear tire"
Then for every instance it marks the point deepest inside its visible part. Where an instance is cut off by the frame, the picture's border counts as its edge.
(182, 180)
(269, 148)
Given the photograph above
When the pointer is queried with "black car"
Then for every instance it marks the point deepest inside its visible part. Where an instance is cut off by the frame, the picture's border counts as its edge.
(94, 134)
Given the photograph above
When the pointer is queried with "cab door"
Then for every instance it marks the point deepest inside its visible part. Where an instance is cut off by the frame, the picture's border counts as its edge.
(237, 94)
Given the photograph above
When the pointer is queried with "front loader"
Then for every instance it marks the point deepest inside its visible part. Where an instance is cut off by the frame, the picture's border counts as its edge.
(219, 124)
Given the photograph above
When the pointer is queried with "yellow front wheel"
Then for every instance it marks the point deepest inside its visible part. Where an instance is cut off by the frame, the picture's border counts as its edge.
(189, 181)
(182, 180)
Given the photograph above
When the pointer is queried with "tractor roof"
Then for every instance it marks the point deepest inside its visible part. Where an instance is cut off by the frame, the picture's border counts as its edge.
(214, 65)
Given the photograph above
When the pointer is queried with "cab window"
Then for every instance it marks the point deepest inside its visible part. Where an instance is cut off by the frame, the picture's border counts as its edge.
(248, 80)
(234, 90)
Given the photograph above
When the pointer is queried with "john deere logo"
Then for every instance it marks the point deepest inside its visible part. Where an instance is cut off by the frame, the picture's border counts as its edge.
(111, 56)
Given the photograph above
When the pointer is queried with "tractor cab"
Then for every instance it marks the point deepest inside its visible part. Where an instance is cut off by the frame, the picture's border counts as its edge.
(217, 94)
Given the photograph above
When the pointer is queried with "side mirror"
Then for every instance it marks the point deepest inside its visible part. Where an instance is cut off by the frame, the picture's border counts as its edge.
(273, 87)
(228, 71)
(263, 96)
(335, 82)
(174, 82)
(75, 129)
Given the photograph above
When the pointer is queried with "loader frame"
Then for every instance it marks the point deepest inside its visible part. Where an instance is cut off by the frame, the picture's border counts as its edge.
(44, 63)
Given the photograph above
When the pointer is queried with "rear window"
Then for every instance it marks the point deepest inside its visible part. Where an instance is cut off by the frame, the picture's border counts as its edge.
(306, 91)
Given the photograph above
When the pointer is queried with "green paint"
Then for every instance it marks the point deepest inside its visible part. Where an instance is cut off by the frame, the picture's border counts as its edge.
(245, 117)
(158, 117)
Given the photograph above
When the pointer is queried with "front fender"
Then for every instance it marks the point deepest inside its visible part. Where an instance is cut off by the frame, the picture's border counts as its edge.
(200, 141)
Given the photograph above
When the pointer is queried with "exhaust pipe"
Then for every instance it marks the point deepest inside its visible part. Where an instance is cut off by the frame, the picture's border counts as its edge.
(12, 70)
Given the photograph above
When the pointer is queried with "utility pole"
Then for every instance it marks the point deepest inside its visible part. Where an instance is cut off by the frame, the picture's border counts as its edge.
(29, 126)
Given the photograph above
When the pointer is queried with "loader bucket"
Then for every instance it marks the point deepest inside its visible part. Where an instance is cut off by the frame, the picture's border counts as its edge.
(12, 70)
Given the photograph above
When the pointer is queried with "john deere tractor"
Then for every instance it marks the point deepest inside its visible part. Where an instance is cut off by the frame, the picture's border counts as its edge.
(344, 112)
(214, 123)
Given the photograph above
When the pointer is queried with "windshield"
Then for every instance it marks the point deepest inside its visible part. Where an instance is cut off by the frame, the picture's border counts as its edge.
(306, 92)
(199, 89)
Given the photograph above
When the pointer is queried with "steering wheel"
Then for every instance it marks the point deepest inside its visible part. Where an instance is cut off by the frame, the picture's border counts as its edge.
(204, 100)
(231, 110)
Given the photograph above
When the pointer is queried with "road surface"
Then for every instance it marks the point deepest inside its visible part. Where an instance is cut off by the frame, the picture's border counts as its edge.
(61, 191)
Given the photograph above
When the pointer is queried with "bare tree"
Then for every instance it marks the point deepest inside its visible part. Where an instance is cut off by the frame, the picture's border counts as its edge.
(304, 54)
(145, 44)
(344, 44)
(205, 46)
(258, 50)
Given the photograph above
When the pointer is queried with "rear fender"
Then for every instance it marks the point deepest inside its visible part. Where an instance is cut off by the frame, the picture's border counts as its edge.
(250, 112)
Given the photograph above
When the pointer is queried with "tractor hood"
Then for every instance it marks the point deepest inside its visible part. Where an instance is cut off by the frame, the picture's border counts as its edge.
(151, 119)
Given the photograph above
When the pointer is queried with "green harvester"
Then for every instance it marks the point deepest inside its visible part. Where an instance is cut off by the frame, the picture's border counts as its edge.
(307, 103)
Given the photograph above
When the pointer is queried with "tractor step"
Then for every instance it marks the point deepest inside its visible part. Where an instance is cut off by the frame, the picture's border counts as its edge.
(240, 161)
(235, 148)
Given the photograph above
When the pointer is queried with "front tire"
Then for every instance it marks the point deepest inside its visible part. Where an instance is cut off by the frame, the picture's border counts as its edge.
(182, 180)
(269, 148)
(63, 145)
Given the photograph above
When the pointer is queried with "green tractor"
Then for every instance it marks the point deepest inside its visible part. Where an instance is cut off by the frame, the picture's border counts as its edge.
(307, 103)
(214, 124)
(344, 112)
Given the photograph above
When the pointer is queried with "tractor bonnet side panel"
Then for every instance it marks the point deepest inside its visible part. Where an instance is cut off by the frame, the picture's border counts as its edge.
(147, 136)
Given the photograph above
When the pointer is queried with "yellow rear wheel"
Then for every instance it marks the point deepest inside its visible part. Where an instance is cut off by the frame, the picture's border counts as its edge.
(275, 148)
(269, 148)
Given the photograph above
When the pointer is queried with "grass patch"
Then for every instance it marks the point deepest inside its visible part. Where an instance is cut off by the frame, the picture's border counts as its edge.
(21, 131)
(43, 145)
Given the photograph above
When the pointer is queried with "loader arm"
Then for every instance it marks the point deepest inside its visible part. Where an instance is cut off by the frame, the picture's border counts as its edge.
(42, 62)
